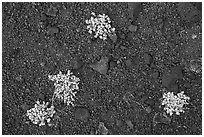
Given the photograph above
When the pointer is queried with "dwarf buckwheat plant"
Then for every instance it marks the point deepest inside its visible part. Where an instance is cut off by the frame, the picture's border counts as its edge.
(99, 25)
(65, 86)
(40, 113)
(174, 103)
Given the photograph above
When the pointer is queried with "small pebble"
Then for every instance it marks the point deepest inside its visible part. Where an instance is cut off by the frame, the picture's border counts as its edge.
(52, 30)
(147, 59)
(132, 28)
(155, 75)
(101, 66)
(113, 37)
(52, 11)
(148, 109)
(128, 63)
(129, 123)
(82, 114)
(119, 123)
(102, 129)
(25, 107)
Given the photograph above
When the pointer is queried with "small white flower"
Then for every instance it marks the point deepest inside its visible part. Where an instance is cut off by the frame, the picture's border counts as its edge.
(40, 113)
(99, 25)
(174, 103)
(65, 86)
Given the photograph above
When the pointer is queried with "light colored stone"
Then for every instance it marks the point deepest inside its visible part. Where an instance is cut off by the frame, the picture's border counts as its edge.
(132, 28)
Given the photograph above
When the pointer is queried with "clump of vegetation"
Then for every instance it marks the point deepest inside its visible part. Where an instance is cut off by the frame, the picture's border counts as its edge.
(41, 113)
(65, 91)
(99, 26)
(174, 103)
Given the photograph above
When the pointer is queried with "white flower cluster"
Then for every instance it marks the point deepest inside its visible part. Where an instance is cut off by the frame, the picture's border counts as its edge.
(174, 103)
(40, 113)
(100, 25)
(65, 86)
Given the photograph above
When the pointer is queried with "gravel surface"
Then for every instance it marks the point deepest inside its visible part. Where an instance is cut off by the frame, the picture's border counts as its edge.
(156, 48)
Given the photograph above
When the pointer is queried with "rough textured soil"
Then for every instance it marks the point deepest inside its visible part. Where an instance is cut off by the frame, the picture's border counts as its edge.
(157, 47)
